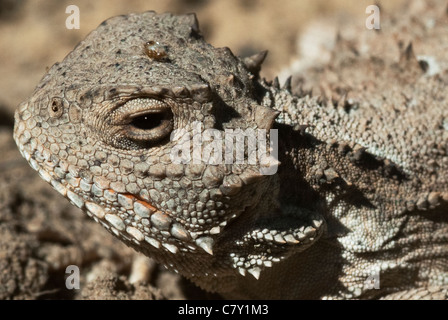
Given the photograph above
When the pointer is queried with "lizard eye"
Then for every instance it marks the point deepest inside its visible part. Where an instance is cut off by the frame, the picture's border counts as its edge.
(144, 121)
(152, 126)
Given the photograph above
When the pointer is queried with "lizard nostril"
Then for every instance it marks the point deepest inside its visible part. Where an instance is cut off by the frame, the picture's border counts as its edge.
(56, 107)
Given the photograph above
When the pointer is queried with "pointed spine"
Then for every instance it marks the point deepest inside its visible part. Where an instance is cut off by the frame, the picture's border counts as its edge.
(253, 63)
(255, 272)
(206, 243)
(287, 85)
(276, 83)
(264, 117)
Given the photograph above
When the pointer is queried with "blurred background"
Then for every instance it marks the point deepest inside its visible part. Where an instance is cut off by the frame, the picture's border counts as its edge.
(33, 35)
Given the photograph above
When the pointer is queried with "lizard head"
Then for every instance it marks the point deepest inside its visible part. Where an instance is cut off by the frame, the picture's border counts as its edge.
(132, 127)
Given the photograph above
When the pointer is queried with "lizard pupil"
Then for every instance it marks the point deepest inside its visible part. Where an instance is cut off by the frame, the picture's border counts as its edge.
(148, 122)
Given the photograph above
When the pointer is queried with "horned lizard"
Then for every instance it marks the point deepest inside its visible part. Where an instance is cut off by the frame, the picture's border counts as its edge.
(358, 205)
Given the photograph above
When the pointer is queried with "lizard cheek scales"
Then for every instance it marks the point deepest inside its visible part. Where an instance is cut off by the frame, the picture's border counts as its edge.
(107, 149)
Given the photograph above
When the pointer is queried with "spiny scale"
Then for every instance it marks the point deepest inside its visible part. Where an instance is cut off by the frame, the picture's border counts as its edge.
(253, 63)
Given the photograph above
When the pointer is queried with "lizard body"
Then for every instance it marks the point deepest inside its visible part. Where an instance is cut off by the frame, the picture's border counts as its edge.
(361, 189)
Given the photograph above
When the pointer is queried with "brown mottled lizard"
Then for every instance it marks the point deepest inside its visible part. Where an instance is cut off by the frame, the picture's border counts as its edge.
(357, 209)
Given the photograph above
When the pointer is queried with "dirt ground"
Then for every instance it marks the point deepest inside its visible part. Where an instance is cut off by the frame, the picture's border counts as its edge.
(40, 232)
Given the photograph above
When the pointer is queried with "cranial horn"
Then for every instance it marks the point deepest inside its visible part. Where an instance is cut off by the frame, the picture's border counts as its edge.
(193, 22)
(264, 117)
(253, 62)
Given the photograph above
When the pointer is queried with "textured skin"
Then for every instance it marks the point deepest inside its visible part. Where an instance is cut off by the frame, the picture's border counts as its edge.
(361, 189)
